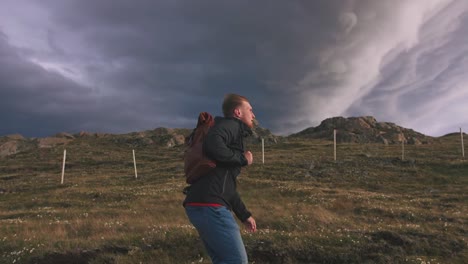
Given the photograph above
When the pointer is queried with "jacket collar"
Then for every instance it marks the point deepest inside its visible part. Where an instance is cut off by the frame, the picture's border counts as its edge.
(245, 130)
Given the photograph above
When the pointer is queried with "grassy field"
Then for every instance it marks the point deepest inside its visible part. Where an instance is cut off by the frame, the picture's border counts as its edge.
(369, 206)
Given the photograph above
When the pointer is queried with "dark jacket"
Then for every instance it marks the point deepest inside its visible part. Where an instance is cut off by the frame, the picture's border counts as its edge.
(224, 143)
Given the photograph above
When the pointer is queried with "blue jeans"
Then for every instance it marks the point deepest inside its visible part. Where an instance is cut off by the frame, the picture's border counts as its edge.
(219, 232)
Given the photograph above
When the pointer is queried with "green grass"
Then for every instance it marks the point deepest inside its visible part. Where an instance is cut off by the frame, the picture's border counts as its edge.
(369, 206)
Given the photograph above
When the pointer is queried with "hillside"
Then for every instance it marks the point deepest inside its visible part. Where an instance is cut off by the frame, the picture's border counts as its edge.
(166, 137)
(369, 206)
(363, 130)
(349, 130)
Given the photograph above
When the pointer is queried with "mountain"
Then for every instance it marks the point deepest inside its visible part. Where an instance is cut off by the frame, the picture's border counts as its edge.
(363, 130)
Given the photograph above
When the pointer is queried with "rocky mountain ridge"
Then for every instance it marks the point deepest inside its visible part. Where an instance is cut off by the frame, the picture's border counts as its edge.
(364, 129)
(349, 130)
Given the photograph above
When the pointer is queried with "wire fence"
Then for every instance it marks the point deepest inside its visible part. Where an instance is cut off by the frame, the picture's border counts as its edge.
(89, 159)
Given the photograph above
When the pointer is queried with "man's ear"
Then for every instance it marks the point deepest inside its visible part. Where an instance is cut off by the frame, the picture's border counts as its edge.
(237, 112)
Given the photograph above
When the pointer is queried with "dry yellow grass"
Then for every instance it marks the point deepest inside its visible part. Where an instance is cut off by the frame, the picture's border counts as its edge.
(368, 207)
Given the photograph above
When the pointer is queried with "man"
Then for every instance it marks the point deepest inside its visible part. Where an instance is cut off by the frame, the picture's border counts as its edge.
(210, 199)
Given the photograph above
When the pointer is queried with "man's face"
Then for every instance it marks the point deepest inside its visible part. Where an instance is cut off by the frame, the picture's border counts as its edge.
(245, 113)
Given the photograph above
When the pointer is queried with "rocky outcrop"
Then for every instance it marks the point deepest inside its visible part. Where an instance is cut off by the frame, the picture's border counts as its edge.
(15, 137)
(162, 131)
(50, 142)
(175, 140)
(259, 132)
(167, 137)
(84, 134)
(14, 144)
(8, 148)
(64, 135)
(363, 130)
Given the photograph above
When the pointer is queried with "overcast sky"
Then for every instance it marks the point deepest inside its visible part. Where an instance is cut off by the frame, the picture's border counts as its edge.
(118, 66)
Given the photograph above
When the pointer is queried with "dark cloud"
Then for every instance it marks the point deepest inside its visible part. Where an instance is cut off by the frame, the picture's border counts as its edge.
(33, 101)
(211, 48)
(120, 66)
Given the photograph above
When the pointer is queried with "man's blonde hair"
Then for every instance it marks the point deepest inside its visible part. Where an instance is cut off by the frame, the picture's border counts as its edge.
(231, 102)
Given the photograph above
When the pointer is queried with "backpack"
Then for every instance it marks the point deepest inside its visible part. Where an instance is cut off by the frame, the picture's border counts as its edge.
(196, 164)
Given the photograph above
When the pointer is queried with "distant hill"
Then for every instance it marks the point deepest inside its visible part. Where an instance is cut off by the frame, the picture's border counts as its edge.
(166, 137)
(349, 130)
(455, 134)
(363, 130)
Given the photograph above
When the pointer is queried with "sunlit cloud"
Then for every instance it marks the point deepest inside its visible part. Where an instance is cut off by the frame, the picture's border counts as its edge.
(120, 66)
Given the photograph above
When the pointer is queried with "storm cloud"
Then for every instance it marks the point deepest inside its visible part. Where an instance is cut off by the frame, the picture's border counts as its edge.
(120, 66)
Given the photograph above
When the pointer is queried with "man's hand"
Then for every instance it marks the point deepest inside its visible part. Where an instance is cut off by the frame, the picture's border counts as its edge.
(250, 224)
(248, 155)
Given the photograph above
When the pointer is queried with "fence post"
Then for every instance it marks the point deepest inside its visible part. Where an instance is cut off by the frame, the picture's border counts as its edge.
(462, 146)
(134, 164)
(334, 144)
(263, 151)
(63, 166)
(403, 149)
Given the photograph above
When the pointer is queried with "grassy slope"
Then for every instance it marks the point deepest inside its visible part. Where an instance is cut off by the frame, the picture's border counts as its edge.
(368, 207)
